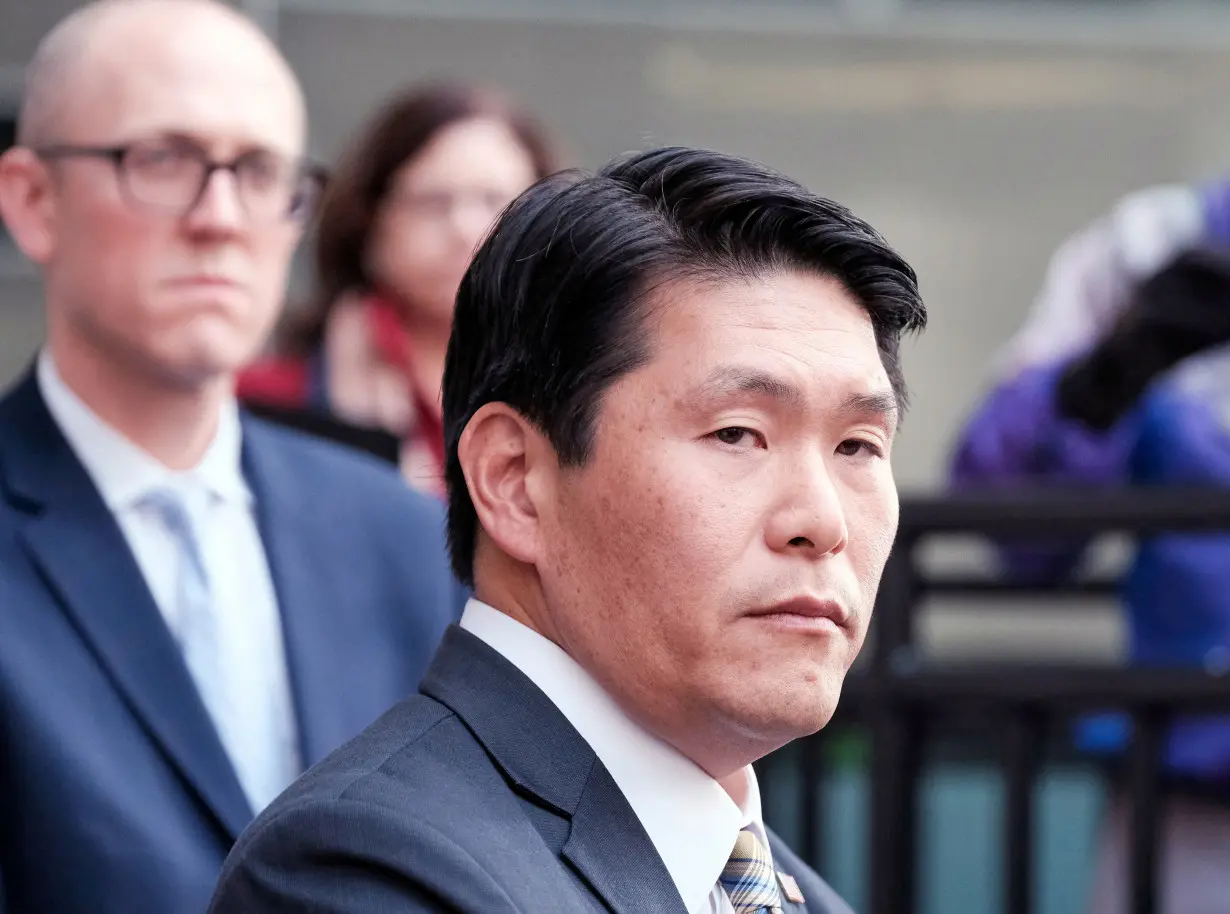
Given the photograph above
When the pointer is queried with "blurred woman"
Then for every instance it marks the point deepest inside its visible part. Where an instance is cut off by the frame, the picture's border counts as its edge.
(405, 209)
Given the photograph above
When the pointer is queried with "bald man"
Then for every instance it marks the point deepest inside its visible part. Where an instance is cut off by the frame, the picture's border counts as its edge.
(196, 606)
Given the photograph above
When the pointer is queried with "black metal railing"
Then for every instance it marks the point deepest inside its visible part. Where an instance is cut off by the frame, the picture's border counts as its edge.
(896, 698)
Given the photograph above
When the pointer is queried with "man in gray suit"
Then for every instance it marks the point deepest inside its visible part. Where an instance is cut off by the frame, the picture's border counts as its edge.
(671, 395)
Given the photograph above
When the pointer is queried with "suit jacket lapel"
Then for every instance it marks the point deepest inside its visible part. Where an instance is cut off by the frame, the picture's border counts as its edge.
(545, 758)
(301, 553)
(819, 897)
(609, 847)
(74, 540)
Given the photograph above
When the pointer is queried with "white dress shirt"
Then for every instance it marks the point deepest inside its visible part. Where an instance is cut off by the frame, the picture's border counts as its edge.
(691, 820)
(241, 587)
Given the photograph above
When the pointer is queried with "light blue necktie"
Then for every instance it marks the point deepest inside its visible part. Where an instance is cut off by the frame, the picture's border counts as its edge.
(198, 630)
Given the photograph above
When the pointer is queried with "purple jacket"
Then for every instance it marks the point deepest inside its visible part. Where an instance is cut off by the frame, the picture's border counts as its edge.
(1177, 592)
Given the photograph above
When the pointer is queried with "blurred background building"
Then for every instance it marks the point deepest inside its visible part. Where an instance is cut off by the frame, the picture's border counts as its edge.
(975, 135)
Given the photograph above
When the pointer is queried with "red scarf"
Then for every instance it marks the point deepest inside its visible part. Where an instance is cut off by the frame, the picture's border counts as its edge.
(393, 343)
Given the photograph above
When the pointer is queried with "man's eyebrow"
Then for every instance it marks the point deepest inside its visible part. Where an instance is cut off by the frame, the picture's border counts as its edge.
(882, 403)
(245, 147)
(736, 379)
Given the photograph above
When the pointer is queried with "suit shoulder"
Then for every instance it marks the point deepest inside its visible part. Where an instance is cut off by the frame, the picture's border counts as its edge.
(415, 746)
(393, 799)
(312, 451)
(417, 761)
(314, 828)
(352, 854)
(341, 473)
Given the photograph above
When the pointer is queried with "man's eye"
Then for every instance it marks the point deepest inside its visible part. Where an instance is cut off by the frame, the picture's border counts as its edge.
(263, 172)
(159, 158)
(853, 447)
(737, 436)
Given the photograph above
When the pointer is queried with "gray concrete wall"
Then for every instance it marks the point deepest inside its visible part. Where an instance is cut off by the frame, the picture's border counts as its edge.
(974, 158)
(975, 161)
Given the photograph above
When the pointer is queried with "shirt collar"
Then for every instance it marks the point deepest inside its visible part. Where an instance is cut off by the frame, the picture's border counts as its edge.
(689, 817)
(122, 471)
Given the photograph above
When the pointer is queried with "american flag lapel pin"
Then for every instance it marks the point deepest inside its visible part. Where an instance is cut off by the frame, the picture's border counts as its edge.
(790, 889)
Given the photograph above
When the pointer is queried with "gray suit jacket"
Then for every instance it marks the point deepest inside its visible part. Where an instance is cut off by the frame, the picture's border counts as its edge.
(476, 795)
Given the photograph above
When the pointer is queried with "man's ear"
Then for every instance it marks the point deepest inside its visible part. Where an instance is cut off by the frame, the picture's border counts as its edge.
(27, 203)
(509, 468)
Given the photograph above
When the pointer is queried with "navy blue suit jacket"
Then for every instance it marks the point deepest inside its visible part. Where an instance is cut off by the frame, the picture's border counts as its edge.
(115, 791)
(475, 796)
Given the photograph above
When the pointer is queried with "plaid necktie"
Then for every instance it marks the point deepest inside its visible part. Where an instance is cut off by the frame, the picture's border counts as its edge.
(749, 879)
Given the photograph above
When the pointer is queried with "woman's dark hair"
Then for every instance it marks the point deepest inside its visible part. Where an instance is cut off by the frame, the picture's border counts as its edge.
(395, 135)
(550, 312)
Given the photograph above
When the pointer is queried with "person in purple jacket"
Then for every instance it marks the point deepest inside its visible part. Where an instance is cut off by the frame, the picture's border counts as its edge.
(1121, 377)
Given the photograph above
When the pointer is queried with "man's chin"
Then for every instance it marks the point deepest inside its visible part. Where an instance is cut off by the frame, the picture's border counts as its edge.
(778, 719)
(200, 368)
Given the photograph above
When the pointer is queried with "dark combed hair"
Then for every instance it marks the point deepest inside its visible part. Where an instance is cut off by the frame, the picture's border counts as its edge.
(395, 135)
(550, 312)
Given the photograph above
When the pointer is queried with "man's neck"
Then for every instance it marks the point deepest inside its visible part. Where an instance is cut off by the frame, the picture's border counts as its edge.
(512, 588)
(729, 768)
(174, 425)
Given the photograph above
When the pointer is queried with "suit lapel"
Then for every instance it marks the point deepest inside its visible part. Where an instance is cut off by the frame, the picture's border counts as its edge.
(609, 848)
(819, 897)
(544, 757)
(301, 550)
(72, 537)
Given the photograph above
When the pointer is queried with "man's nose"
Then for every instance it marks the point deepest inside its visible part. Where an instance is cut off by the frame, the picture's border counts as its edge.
(220, 207)
(811, 517)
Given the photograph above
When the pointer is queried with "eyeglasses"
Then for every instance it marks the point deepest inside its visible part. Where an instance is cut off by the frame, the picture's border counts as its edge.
(172, 175)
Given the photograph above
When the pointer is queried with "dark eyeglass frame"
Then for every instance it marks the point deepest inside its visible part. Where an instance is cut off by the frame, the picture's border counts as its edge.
(311, 176)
